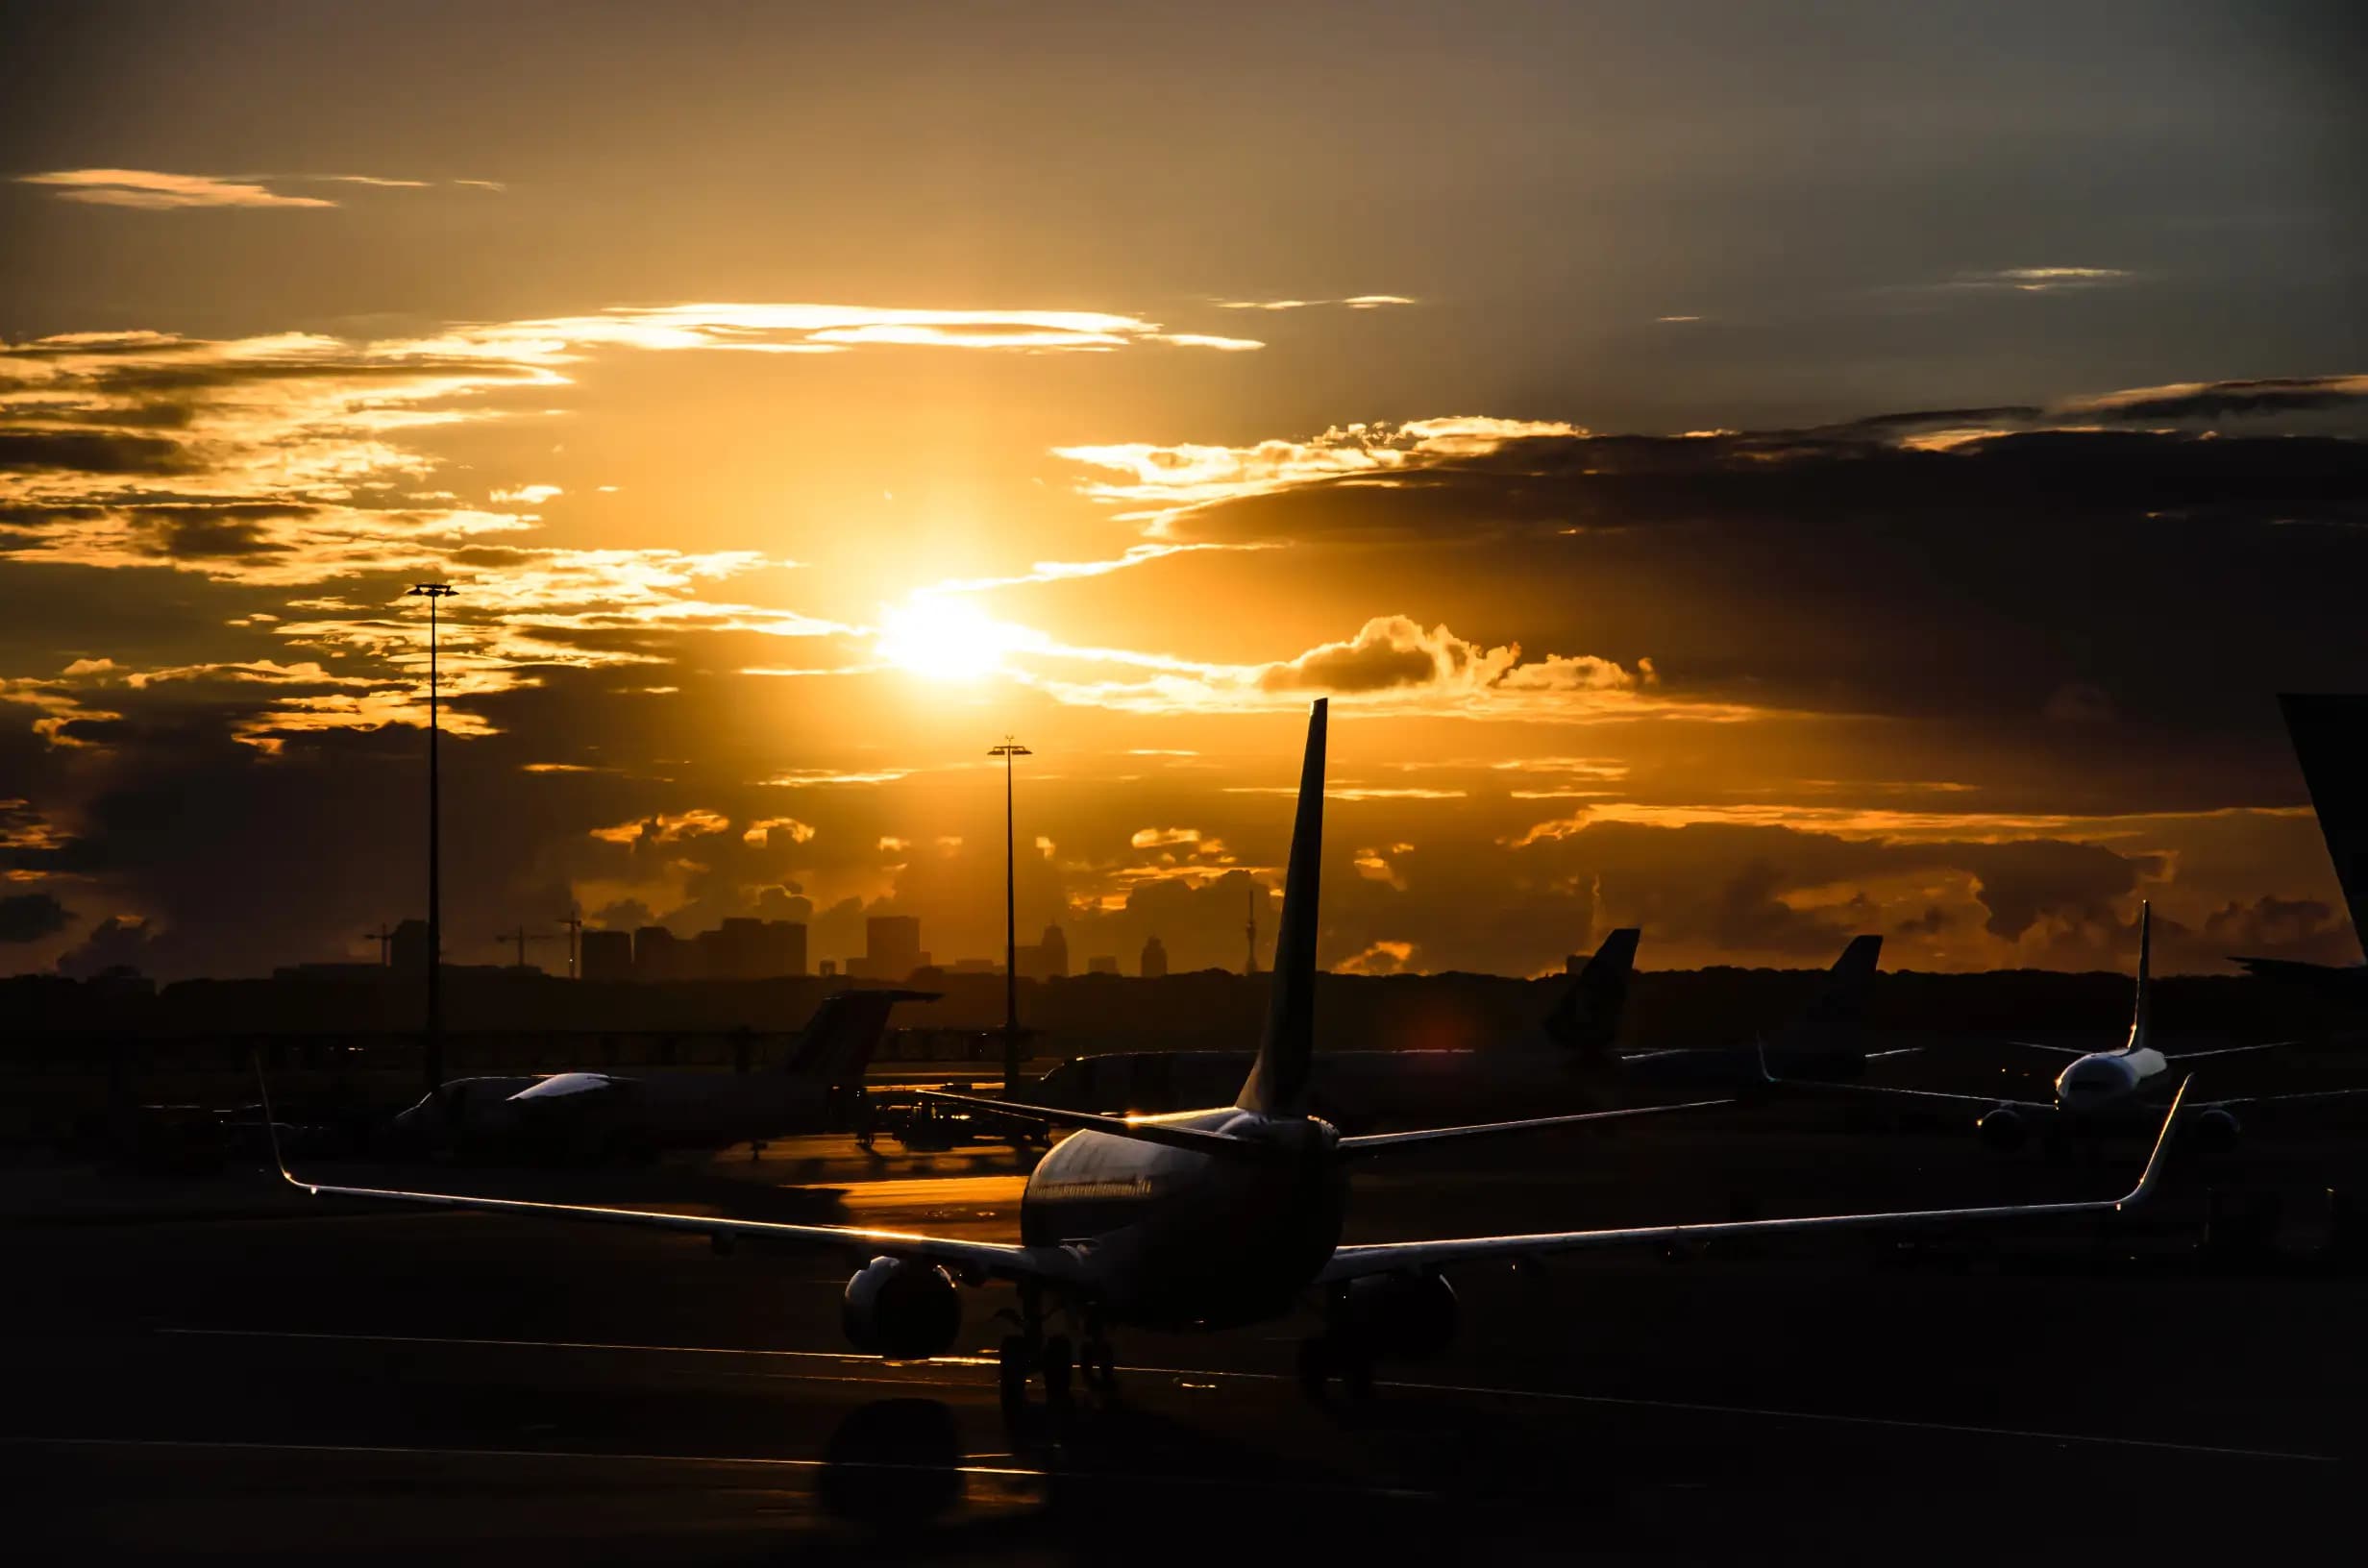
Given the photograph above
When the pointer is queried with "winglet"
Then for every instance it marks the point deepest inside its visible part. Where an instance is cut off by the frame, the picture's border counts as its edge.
(1760, 1044)
(271, 1126)
(2153, 1174)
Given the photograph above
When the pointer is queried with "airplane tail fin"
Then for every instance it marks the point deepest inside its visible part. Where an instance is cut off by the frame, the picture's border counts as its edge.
(838, 1041)
(1277, 1082)
(1586, 1015)
(1844, 997)
(2330, 735)
(2145, 965)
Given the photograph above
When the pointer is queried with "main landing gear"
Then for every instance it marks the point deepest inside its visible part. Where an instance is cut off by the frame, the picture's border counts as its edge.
(1323, 1356)
(1031, 1353)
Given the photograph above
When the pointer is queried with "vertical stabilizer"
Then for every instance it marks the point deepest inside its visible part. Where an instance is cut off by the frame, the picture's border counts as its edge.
(2330, 732)
(1844, 997)
(837, 1043)
(1277, 1085)
(2145, 964)
(1588, 1015)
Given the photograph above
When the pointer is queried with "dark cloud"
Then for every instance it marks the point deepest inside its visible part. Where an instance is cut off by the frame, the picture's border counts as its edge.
(2212, 400)
(113, 944)
(198, 533)
(93, 451)
(2011, 480)
(28, 916)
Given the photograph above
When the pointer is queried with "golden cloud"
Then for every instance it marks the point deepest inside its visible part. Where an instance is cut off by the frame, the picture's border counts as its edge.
(1163, 482)
(158, 191)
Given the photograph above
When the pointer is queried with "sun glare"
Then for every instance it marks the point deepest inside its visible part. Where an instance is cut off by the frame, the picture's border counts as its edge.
(946, 638)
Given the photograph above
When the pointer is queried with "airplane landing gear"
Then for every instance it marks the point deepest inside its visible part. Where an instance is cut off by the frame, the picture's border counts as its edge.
(1323, 1356)
(1031, 1353)
(1098, 1365)
(1097, 1361)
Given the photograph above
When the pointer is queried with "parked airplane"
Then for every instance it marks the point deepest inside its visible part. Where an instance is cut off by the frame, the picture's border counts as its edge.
(2100, 1089)
(1564, 1058)
(818, 1087)
(1212, 1219)
(2330, 736)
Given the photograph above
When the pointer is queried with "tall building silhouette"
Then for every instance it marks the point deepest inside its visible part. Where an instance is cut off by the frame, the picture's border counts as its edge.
(1048, 959)
(891, 949)
(659, 955)
(1154, 960)
(607, 955)
(408, 947)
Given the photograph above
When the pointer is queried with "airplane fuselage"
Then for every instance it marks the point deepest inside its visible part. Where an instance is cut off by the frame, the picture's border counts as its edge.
(1176, 1238)
(2107, 1080)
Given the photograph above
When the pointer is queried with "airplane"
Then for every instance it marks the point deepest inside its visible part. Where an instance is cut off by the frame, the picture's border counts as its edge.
(2330, 736)
(818, 1087)
(1565, 1053)
(1213, 1219)
(2099, 1088)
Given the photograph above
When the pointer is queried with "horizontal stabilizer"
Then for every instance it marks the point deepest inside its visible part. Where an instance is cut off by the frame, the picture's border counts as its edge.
(1166, 1133)
(1382, 1142)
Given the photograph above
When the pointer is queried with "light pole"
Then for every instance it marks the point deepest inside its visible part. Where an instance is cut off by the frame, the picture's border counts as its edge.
(432, 1054)
(1009, 750)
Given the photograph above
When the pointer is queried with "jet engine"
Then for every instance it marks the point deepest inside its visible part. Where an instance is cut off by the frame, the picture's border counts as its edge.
(904, 1310)
(2002, 1129)
(2214, 1131)
(1408, 1318)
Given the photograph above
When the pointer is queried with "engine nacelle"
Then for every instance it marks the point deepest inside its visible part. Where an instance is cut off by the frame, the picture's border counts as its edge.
(904, 1310)
(2004, 1129)
(1390, 1314)
(2214, 1131)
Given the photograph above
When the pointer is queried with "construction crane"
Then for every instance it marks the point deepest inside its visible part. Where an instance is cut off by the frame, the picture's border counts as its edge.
(385, 937)
(522, 936)
(575, 938)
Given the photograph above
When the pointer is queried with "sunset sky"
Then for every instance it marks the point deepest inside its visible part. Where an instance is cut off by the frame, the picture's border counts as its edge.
(1756, 473)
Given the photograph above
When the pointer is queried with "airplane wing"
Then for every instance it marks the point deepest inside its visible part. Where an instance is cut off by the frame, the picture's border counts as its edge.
(1396, 1256)
(974, 1261)
(2055, 1050)
(2224, 1051)
(1892, 1091)
(1378, 1143)
(1143, 1131)
(2281, 1099)
(561, 1084)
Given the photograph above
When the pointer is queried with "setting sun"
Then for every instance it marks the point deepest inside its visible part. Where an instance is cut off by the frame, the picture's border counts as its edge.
(947, 638)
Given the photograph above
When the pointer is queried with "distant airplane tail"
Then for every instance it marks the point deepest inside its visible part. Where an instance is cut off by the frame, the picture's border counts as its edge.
(2329, 734)
(1277, 1082)
(837, 1043)
(1824, 1041)
(1586, 1015)
(1844, 999)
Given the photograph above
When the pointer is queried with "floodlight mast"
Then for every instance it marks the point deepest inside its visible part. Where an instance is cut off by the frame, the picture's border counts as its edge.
(432, 1052)
(1008, 749)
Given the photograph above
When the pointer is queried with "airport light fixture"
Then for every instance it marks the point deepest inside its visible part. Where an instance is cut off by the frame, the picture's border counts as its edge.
(431, 1053)
(1008, 749)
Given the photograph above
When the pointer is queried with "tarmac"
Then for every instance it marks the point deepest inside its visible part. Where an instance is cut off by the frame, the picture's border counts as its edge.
(308, 1383)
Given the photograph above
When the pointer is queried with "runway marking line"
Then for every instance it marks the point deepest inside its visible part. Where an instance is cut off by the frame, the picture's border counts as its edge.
(1690, 1407)
(1238, 1484)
